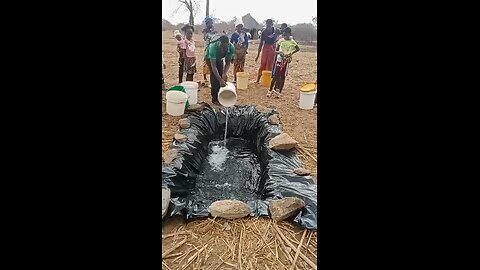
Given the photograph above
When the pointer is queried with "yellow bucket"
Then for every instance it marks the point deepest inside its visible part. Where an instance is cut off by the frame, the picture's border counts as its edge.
(266, 78)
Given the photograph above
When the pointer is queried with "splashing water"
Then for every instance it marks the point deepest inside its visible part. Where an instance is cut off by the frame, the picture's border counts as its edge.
(217, 157)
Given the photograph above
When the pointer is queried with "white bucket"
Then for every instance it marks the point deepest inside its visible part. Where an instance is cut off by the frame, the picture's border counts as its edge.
(307, 100)
(176, 101)
(242, 80)
(192, 91)
(227, 95)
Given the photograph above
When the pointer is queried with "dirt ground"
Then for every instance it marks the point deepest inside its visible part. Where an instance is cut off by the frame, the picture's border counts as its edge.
(248, 243)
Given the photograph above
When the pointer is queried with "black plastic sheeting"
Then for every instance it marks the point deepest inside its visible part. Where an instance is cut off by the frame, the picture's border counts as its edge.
(275, 179)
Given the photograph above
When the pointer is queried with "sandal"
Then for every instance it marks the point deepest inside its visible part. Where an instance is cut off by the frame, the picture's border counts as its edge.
(269, 93)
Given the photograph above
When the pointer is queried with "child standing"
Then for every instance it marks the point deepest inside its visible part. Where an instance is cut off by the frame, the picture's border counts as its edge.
(285, 49)
(240, 40)
(190, 66)
(178, 37)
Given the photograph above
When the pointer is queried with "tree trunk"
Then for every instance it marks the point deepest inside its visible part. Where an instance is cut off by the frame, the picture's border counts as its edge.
(208, 7)
(190, 19)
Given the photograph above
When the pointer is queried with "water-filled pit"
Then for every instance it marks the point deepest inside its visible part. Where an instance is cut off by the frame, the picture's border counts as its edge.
(247, 170)
(231, 173)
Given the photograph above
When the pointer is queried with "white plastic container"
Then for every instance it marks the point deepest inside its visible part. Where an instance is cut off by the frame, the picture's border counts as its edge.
(176, 101)
(192, 91)
(242, 80)
(307, 96)
(227, 96)
(307, 100)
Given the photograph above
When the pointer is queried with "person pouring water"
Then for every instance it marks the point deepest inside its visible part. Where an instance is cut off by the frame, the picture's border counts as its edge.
(214, 55)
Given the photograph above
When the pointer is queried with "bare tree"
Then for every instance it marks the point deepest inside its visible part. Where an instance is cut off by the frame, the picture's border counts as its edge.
(192, 6)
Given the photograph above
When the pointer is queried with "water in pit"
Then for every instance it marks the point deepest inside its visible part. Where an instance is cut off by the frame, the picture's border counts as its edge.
(228, 173)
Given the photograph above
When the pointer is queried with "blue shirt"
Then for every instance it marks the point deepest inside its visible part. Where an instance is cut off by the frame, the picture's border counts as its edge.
(236, 36)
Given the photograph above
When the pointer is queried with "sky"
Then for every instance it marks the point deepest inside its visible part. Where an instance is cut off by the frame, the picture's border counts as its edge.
(299, 11)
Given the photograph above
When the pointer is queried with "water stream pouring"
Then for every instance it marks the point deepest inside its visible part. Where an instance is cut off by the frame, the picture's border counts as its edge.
(227, 96)
(226, 126)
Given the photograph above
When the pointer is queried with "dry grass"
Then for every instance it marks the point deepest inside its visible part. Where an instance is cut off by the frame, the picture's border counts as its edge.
(253, 243)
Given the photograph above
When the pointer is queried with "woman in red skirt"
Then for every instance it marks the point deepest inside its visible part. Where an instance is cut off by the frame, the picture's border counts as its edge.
(267, 48)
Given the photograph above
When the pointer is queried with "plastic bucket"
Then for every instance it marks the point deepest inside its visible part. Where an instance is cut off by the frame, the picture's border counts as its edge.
(266, 78)
(242, 80)
(307, 96)
(176, 101)
(191, 89)
(227, 96)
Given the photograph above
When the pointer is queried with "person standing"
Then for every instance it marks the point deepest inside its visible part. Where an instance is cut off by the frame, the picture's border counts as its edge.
(267, 48)
(163, 77)
(215, 54)
(280, 36)
(180, 50)
(208, 34)
(189, 64)
(285, 49)
(240, 40)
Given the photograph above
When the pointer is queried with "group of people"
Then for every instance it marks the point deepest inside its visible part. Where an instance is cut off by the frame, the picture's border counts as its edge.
(276, 48)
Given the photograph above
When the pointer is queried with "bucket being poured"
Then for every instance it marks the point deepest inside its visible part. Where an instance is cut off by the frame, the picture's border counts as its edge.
(307, 96)
(191, 88)
(176, 102)
(227, 96)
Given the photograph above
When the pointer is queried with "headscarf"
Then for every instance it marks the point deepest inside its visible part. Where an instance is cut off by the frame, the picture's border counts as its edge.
(208, 20)
(238, 21)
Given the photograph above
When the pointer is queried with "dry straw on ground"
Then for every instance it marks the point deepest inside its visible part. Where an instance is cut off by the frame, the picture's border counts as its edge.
(251, 243)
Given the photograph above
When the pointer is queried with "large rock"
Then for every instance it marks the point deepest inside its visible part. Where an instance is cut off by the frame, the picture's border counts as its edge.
(184, 123)
(301, 171)
(170, 156)
(283, 141)
(181, 138)
(273, 119)
(165, 200)
(285, 208)
(229, 209)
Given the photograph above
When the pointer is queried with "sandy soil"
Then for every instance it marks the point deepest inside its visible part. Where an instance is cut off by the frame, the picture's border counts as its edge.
(300, 124)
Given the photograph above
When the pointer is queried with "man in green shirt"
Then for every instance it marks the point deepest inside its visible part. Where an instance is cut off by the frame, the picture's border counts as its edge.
(214, 55)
